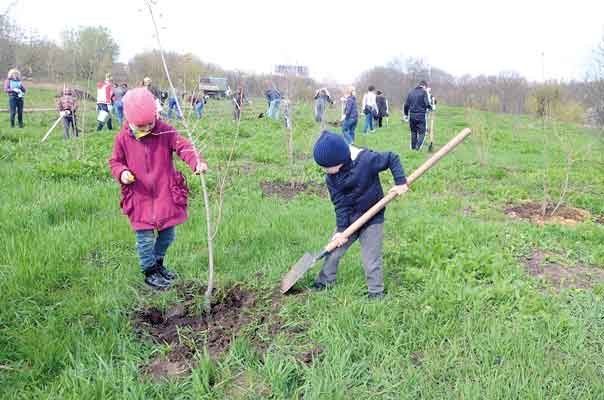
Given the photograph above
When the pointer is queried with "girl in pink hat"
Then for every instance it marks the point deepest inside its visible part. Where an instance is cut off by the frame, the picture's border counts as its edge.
(154, 194)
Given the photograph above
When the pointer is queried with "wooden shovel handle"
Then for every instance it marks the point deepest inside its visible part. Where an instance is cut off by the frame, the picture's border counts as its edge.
(377, 207)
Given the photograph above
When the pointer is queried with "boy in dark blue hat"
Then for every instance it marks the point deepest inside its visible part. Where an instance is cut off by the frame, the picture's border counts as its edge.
(354, 187)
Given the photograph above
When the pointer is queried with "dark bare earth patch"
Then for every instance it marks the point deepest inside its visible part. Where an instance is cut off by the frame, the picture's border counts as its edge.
(185, 328)
(311, 355)
(288, 190)
(533, 212)
(543, 265)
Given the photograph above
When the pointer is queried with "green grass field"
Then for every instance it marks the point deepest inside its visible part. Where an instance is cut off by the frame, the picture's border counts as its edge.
(461, 320)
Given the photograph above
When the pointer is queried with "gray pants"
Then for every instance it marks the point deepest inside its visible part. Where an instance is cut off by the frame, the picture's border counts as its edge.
(69, 122)
(371, 238)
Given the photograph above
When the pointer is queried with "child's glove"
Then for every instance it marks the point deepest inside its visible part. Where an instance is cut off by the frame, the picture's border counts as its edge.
(62, 113)
(127, 177)
(406, 118)
(339, 238)
(399, 189)
(201, 168)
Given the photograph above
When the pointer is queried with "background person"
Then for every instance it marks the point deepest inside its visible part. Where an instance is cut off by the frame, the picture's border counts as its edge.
(15, 90)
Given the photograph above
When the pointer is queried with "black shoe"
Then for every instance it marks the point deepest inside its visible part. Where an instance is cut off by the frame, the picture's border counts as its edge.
(156, 280)
(167, 274)
(318, 286)
(376, 296)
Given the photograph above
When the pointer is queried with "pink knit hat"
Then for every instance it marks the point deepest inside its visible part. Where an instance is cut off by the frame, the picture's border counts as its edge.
(139, 106)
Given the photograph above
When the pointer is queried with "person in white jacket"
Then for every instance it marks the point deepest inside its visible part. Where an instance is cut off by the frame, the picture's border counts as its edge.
(104, 102)
(370, 108)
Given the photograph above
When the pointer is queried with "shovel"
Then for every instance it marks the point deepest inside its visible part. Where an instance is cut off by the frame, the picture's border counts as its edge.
(308, 260)
(430, 147)
(51, 128)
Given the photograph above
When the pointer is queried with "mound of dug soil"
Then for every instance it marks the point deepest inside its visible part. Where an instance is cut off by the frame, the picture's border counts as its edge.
(230, 312)
(186, 329)
(558, 276)
(288, 190)
(533, 212)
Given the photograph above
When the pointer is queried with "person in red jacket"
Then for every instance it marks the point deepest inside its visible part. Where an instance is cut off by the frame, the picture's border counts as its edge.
(154, 195)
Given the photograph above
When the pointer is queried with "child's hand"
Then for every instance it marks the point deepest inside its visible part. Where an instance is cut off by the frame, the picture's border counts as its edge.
(201, 168)
(339, 239)
(127, 177)
(399, 189)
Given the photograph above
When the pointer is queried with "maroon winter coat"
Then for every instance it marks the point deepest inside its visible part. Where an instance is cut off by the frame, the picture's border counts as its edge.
(157, 199)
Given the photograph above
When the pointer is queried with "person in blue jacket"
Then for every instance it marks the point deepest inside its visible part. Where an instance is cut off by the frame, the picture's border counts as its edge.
(350, 115)
(273, 97)
(354, 187)
(15, 90)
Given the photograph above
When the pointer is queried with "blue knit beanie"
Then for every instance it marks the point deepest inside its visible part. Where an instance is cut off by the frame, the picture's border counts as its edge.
(331, 149)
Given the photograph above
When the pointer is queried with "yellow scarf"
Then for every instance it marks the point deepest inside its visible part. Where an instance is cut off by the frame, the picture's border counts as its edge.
(140, 134)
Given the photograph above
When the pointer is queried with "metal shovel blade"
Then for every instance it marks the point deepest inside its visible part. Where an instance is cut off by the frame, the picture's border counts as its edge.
(299, 269)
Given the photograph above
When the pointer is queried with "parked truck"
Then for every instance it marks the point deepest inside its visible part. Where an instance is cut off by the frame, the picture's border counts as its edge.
(213, 86)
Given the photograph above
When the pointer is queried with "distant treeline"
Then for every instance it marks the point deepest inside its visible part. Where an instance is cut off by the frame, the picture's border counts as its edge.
(87, 53)
(507, 92)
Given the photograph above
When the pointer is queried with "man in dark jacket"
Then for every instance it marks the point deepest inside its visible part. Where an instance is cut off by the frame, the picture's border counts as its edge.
(382, 103)
(415, 111)
(354, 187)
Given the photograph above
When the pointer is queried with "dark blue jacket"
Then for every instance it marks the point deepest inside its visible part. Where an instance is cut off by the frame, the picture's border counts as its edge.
(272, 94)
(356, 187)
(417, 104)
(350, 110)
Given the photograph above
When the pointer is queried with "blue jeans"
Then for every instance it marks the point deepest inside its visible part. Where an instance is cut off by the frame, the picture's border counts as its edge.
(15, 106)
(118, 105)
(171, 106)
(150, 248)
(368, 122)
(348, 127)
(273, 109)
(199, 109)
(103, 107)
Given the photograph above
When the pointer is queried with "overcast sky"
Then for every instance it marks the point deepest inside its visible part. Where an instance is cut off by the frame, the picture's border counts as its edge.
(340, 39)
